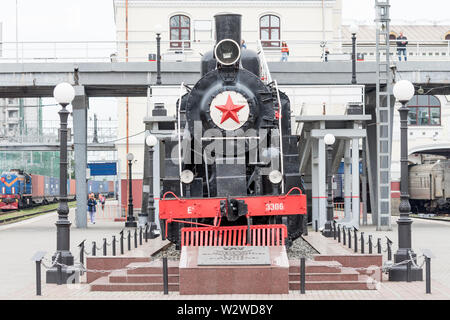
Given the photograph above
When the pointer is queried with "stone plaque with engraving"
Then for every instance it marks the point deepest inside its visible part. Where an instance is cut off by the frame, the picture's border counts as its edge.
(233, 256)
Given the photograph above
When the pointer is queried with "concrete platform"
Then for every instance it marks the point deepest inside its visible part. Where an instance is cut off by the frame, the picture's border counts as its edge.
(23, 239)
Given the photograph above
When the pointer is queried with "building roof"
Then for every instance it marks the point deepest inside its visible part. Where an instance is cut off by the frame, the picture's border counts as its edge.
(412, 32)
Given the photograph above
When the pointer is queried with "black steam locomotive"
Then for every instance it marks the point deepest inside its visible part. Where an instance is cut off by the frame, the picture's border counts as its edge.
(232, 169)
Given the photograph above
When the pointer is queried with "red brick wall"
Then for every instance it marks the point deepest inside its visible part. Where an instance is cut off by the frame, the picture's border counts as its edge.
(137, 193)
(395, 189)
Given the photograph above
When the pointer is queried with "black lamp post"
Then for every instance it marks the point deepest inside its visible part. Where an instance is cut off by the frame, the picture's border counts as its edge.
(158, 29)
(130, 223)
(64, 94)
(151, 142)
(329, 140)
(353, 30)
(404, 91)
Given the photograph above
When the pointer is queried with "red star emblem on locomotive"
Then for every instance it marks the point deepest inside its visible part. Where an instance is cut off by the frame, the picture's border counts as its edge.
(230, 110)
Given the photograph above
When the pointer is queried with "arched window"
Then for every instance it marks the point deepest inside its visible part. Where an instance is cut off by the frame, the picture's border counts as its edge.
(425, 110)
(447, 36)
(269, 30)
(392, 36)
(180, 29)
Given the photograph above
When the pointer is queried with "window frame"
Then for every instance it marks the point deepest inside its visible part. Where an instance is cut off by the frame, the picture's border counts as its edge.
(269, 43)
(177, 43)
(429, 106)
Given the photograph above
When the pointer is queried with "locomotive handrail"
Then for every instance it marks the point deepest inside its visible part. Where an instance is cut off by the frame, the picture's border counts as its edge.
(170, 192)
(265, 69)
(281, 137)
(294, 188)
(179, 137)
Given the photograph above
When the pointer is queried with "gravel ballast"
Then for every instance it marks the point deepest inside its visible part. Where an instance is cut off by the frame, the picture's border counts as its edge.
(300, 248)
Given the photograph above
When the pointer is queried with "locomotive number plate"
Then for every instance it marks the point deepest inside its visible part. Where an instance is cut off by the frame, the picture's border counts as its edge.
(233, 256)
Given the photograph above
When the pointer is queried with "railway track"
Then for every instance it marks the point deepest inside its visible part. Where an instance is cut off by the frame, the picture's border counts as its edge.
(432, 219)
(29, 215)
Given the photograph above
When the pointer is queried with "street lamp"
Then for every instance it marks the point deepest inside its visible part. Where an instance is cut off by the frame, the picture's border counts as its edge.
(329, 140)
(158, 30)
(403, 92)
(63, 93)
(130, 223)
(151, 141)
(353, 30)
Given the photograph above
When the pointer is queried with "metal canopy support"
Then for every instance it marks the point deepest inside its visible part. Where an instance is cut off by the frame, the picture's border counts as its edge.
(347, 182)
(318, 180)
(80, 106)
(381, 207)
(355, 181)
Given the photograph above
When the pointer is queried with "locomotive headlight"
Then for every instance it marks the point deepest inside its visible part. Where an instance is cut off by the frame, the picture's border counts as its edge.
(275, 176)
(227, 52)
(187, 176)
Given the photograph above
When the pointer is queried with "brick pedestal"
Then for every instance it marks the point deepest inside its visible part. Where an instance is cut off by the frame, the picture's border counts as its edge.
(269, 279)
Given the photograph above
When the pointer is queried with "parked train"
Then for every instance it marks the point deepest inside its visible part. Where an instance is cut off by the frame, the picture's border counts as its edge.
(228, 177)
(19, 189)
(429, 187)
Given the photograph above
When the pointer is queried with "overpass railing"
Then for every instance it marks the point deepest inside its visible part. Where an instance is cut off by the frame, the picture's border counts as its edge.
(140, 51)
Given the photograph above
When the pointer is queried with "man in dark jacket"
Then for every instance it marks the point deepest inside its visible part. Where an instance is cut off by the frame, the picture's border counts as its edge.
(401, 46)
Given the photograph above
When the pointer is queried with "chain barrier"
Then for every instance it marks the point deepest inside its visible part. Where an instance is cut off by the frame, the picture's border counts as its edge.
(105, 243)
(53, 263)
(347, 241)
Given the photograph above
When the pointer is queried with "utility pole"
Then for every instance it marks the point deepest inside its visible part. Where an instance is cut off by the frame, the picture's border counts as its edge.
(17, 31)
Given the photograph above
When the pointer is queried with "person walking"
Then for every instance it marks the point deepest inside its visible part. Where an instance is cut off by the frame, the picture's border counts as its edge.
(92, 207)
(284, 51)
(102, 199)
(401, 46)
(243, 44)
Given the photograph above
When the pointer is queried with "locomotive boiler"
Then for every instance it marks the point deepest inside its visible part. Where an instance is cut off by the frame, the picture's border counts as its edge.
(232, 167)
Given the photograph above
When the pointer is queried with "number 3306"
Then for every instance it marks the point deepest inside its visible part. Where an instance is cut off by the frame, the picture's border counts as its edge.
(274, 206)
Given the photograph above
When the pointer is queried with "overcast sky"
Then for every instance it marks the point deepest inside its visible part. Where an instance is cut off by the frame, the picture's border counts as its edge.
(69, 20)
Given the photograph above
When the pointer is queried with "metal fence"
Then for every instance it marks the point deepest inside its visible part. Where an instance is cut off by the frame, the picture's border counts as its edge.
(140, 51)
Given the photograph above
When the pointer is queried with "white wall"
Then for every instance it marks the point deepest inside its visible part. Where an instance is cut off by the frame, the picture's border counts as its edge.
(300, 20)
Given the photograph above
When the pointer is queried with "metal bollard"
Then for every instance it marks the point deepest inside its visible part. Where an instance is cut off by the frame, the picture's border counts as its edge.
(428, 274)
(339, 233)
(370, 244)
(113, 245)
(104, 247)
(349, 238)
(121, 242)
(94, 248)
(135, 238)
(343, 236)
(165, 276)
(60, 280)
(146, 233)
(38, 278)
(379, 245)
(362, 242)
(356, 240)
(302, 275)
(140, 236)
(389, 251)
(317, 226)
(129, 240)
(334, 229)
(408, 271)
(81, 245)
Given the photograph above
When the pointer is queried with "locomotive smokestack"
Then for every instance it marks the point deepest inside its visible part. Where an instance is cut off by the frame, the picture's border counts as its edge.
(228, 39)
(228, 26)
